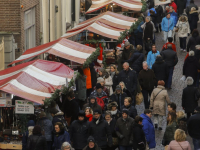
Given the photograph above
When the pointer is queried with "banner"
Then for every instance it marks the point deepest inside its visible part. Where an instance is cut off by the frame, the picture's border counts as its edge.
(2, 61)
(24, 107)
(162, 2)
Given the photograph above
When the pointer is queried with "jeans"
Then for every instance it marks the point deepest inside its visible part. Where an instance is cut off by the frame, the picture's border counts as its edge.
(169, 82)
(158, 120)
(182, 41)
(167, 34)
(125, 147)
(146, 94)
(196, 143)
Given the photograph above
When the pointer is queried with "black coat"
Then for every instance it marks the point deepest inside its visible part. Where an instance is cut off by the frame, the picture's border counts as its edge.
(189, 102)
(125, 129)
(115, 81)
(112, 127)
(170, 57)
(119, 98)
(193, 41)
(193, 126)
(190, 67)
(160, 69)
(148, 31)
(93, 76)
(79, 134)
(150, 4)
(139, 141)
(181, 6)
(159, 11)
(101, 132)
(197, 54)
(132, 111)
(129, 78)
(36, 142)
(193, 20)
(136, 61)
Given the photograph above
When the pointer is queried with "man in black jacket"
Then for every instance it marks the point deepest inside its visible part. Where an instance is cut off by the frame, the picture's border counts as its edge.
(171, 59)
(79, 131)
(99, 129)
(124, 129)
(193, 127)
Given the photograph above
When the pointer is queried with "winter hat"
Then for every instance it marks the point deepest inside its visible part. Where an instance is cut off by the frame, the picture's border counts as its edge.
(161, 82)
(42, 114)
(126, 43)
(125, 111)
(98, 86)
(118, 87)
(189, 81)
(197, 109)
(97, 111)
(30, 123)
(53, 111)
(100, 79)
(90, 139)
(81, 113)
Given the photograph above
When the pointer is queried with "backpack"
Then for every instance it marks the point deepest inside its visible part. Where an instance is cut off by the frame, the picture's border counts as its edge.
(101, 102)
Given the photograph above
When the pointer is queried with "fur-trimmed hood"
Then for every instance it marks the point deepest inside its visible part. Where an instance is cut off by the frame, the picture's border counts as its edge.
(110, 105)
(59, 113)
(186, 18)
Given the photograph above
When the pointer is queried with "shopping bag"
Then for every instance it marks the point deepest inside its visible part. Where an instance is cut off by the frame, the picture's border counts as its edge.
(183, 78)
(139, 98)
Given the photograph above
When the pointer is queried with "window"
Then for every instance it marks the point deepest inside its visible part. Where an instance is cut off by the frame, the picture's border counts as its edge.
(29, 28)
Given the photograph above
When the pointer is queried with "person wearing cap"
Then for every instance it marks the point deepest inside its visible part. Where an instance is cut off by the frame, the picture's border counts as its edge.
(170, 39)
(118, 96)
(124, 130)
(158, 100)
(92, 145)
(100, 95)
(99, 129)
(112, 108)
(92, 104)
(193, 127)
(190, 97)
(132, 111)
(47, 127)
(102, 82)
(79, 131)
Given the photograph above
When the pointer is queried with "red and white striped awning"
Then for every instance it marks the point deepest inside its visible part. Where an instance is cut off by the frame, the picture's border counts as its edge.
(35, 80)
(135, 5)
(61, 47)
(107, 24)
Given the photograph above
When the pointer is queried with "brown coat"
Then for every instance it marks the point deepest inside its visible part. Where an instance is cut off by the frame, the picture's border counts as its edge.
(159, 103)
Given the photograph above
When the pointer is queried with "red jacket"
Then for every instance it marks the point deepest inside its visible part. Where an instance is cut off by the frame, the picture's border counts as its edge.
(173, 46)
(174, 6)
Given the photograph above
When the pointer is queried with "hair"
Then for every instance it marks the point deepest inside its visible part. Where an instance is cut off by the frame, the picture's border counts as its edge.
(123, 84)
(60, 125)
(161, 82)
(195, 31)
(173, 117)
(37, 130)
(129, 99)
(189, 81)
(70, 93)
(108, 113)
(139, 47)
(115, 67)
(179, 135)
(191, 53)
(170, 7)
(153, 45)
(180, 114)
(170, 39)
(144, 62)
(169, 45)
(148, 18)
(80, 70)
(65, 144)
(182, 18)
(147, 111)
(138, 119)
(126, 63)
(90, 110)
(172, 105)
(168, 14)
(167, 7)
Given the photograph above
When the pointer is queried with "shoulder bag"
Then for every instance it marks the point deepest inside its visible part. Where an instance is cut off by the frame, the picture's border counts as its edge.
(180, 145)
(157, 95)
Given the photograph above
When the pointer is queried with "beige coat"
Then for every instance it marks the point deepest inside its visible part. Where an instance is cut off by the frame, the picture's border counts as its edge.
(108, 84)
(159, 103)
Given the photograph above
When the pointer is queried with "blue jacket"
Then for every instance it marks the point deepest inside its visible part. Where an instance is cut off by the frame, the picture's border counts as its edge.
(167, 24)
(59, 138)
(151, 58)
(149, 131)
(174, 16)
(153, 10)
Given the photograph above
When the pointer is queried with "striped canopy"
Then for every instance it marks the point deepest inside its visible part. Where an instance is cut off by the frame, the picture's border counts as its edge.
(63, 48)
(107, 24)
(135, 5)
(35, 80)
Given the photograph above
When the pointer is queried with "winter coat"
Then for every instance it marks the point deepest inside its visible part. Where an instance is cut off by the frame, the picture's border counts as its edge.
(165, 46)
(124, 128)
(174, 145)
(190, 67)
(173, 4)
(159, 11)
(182, 123)
(150, 4)
(170, 57)
(132, 111)
(115, 81)
(139, 141)
(99, 95)
(127, 53)
(193, 126)
(87, 72)
(159, 102)
(92, 106)
(136, 61)
(81, 88)
(188, 9)
(101, 132)
(119, 98)
(169, 132)
(112, 125)
(183, 28)
(147, 79)
(160, 69)
(116, 114)
(128, 93)
(79, 133)
(108, 85)
(59, 138)
(96, 147)
(189, 102)
(139, 31)
(197, 54)
(148, 30)
(104, 89)
(193, 41)
(193, 20)
(58, 117)
(151, 58)
(167, 24)
(36, 142)
(174, 16)
(181, 6)
(47, 127)
(129, 78)
(149, 130)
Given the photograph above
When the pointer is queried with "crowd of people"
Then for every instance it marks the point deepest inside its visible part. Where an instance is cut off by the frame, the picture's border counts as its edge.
(103, 116)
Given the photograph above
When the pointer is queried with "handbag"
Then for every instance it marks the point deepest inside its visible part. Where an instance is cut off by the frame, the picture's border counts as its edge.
(139, 98)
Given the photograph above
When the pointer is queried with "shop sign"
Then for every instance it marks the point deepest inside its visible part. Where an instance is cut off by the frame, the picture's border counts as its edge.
(24, 107)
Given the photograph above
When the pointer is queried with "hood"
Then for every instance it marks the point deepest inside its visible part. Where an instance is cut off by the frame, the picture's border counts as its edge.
(60, 113)
(30, 130)
(110, 105)
(186, 18)
(194, 12)
(30, 123)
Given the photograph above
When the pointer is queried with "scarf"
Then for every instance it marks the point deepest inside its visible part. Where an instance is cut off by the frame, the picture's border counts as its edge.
(90, 117)
(113, 112)
(112, 74)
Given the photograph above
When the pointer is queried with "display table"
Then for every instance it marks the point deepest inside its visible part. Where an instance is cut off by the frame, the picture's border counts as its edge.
(11, 145)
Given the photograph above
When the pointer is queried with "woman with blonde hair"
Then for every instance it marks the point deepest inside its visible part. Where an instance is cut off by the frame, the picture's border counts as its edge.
(180, 142)
(182, 121)
(124, 89)
(89, 113)
(114, 75)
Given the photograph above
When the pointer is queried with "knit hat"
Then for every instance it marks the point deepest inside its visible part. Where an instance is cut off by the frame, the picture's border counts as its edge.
(53, 111)
(90, 139)
(126, 43)
(125, 111)
(81, 113)
(161, 82)
(42, 114)
(97, 111)
(100, 79)
(30, 123)
(98, 86)
(118, 87)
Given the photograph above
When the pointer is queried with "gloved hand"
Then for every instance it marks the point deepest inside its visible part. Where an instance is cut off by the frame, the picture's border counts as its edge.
(121, 136)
